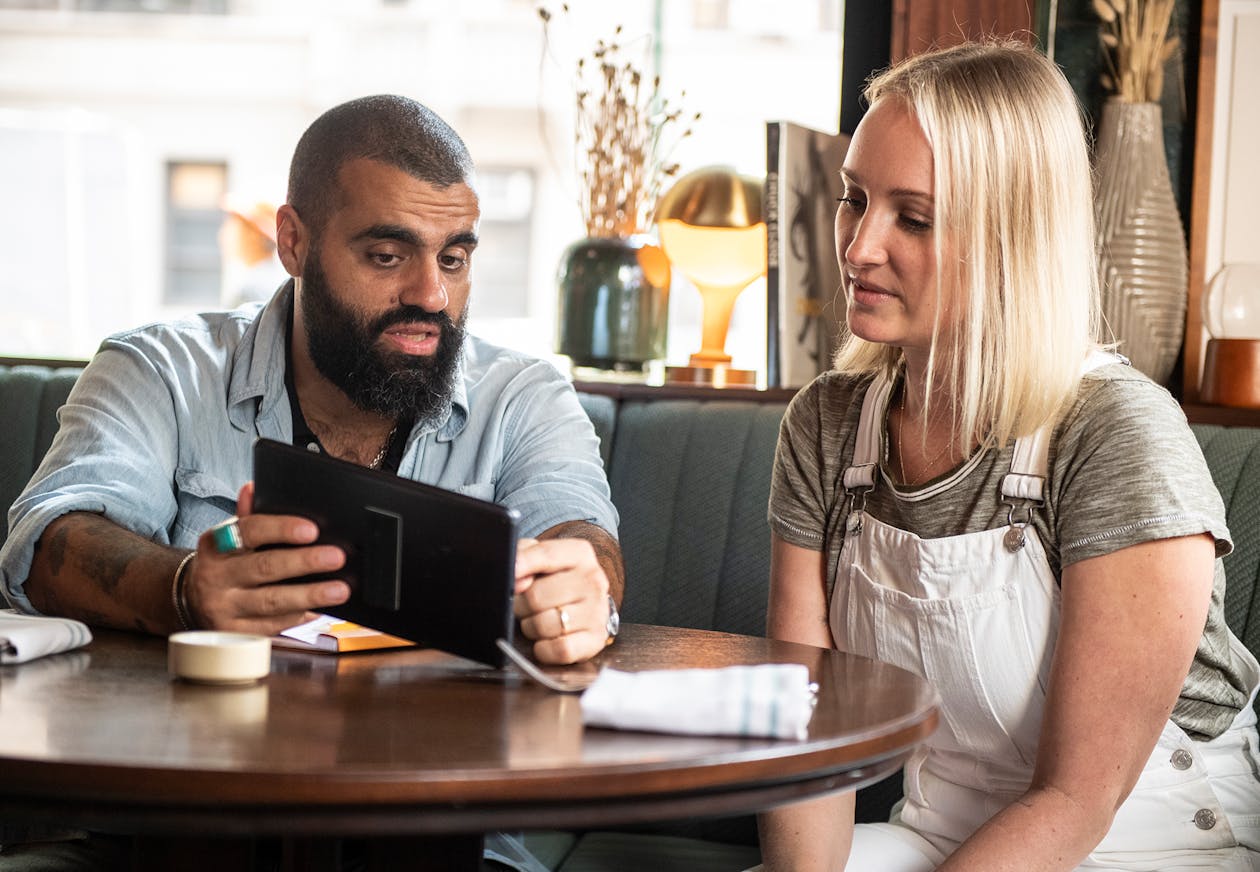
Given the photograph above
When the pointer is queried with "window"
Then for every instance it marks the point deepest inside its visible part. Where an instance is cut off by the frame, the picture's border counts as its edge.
(67, 230)
(116, 178)
(194, 192)
(507, 213)
(829, 15)
(710, 14)
(198, 7)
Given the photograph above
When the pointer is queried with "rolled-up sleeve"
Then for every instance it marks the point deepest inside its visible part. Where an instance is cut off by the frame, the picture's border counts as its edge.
(114, 454)
(551, 470)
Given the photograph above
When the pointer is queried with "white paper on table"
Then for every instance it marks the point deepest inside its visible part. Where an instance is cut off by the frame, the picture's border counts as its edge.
(27, 637)
(772, 699)
(310, 631)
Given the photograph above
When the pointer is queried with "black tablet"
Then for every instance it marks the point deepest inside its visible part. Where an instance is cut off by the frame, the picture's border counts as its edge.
(423, 563)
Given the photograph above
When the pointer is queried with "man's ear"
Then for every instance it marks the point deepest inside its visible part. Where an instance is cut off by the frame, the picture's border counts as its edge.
(292, 240)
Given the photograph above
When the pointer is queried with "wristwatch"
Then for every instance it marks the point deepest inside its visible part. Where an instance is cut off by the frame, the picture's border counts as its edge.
(613, 626)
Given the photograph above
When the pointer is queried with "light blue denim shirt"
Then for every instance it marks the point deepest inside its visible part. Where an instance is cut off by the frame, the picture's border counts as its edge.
(158, 431)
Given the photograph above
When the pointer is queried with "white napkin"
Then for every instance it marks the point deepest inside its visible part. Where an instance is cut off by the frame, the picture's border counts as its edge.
(774, 699)
(26, 637)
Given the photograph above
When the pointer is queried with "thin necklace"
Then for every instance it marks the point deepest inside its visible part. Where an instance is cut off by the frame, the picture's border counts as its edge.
(901, 427)
(380, 455)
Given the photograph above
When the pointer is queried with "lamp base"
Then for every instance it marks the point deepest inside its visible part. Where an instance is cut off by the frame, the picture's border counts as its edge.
(1231, 373)
(719, 376)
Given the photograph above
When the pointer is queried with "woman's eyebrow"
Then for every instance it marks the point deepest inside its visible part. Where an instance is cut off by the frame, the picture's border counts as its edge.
(895, 192)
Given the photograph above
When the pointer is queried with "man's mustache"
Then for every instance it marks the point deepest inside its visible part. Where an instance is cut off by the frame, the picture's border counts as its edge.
(411, 315)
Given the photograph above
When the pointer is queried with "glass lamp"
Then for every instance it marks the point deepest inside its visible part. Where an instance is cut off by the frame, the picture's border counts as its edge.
(712, 229)
(1231, 313)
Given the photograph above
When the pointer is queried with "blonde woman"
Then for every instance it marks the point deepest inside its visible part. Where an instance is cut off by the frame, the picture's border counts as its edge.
(981, 494)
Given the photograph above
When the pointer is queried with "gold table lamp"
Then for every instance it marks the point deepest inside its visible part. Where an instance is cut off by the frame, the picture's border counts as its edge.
(712, 228)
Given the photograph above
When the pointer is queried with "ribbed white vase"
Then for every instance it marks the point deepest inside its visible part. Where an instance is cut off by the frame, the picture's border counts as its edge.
(1142, 246)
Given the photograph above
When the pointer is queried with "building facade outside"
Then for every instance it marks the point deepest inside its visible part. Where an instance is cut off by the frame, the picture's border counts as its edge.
(127, 125)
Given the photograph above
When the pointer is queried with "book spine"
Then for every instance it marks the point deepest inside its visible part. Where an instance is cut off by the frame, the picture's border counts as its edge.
(774, 362)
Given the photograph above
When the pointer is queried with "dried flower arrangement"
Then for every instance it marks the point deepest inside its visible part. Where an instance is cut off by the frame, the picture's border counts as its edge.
(1136, 45)
(625, 134)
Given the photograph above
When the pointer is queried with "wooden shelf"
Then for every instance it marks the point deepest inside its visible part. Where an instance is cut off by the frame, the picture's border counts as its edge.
(54, 362)
(630, 391)
(1225, 416)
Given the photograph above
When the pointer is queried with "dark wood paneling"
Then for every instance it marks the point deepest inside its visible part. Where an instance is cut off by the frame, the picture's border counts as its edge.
(918, 25)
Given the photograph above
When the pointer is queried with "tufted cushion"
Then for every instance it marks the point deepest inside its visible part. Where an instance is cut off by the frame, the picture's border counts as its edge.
(691, 480)
(603, 414)
(29, 399)
(1233, 456)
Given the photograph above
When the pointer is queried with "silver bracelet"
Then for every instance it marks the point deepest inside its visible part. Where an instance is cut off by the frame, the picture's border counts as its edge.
(182, 615)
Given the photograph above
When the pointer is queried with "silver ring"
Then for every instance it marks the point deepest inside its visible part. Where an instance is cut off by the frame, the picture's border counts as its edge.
(227, 536)
(564, 620)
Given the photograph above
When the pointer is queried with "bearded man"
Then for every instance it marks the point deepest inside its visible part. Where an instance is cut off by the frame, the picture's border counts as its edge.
(363, 355)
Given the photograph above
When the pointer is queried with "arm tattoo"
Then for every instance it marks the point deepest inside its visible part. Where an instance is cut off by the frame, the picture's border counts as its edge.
(56, 550)
(90, 568)
(109, 555)
(86, 544)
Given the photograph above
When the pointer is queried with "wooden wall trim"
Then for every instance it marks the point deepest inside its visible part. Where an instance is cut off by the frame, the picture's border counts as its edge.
(1200, 192)
(50, 362)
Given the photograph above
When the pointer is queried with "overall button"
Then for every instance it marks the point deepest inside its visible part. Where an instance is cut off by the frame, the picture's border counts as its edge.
(1205, 818)
(1182, 759)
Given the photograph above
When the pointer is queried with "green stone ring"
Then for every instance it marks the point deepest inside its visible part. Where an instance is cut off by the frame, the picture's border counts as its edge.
(227, 536)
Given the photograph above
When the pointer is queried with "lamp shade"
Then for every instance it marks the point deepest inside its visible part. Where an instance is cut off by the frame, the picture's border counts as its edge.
(713, 197)
(1231, 306)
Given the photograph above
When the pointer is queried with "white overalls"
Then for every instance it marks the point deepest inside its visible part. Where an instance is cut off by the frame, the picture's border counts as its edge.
(978, 615)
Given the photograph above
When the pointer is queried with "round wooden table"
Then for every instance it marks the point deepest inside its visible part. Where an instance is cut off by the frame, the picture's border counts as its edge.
(415, 743)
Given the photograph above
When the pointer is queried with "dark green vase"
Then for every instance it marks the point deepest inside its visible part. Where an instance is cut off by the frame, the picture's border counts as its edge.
(614, 303)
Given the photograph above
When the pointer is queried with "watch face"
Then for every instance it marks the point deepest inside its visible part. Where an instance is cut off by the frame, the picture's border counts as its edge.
(614, 619)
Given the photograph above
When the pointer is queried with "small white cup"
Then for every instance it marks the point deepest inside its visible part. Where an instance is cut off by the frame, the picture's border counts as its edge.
(212, 657)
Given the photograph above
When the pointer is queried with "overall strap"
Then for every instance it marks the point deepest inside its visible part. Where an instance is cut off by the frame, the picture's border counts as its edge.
(860, 474)
(1026, 481)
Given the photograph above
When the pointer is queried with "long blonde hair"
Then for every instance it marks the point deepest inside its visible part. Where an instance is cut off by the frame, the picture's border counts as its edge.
(1014, 194)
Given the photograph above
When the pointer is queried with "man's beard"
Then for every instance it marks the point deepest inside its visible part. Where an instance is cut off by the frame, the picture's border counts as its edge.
(343, 346)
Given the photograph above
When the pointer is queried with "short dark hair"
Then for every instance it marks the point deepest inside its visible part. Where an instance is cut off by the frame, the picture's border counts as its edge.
(394, 130)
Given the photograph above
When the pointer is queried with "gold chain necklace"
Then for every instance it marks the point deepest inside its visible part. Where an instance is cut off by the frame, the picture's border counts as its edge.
(380, 455)
(901, 427)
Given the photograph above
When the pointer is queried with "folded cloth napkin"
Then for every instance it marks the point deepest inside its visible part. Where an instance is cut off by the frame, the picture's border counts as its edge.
(25, 637)
(774, 699)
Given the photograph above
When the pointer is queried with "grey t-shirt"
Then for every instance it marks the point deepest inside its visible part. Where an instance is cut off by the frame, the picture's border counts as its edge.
(1124, 468)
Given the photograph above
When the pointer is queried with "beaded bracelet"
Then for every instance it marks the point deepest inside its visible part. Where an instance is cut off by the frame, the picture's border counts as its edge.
(182, 614)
